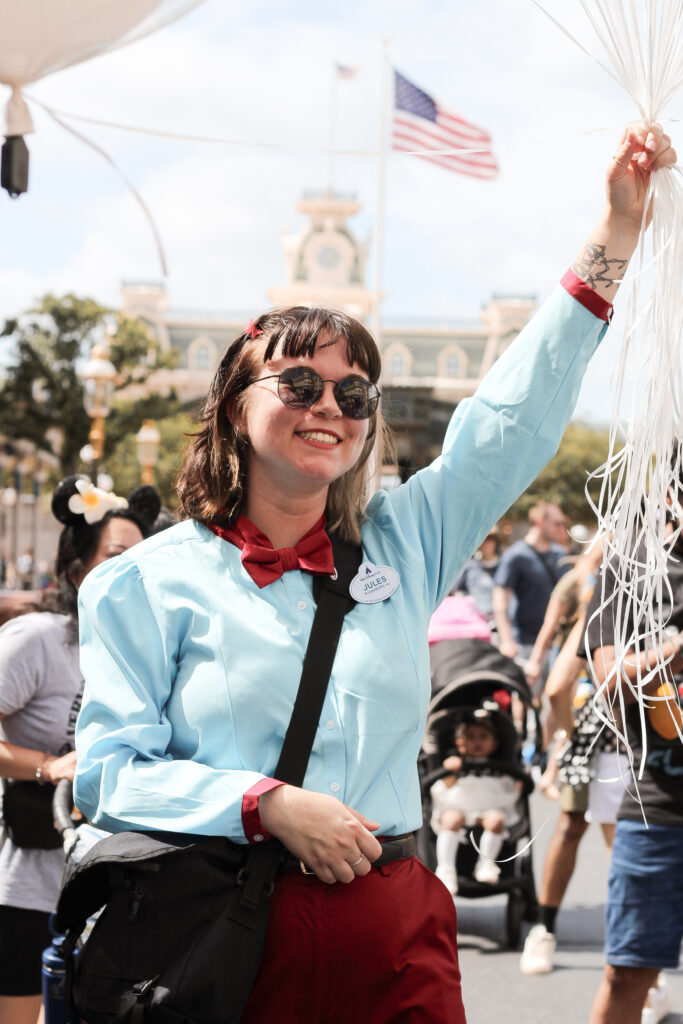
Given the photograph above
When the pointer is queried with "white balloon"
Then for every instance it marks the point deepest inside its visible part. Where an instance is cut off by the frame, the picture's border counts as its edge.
(38, 37)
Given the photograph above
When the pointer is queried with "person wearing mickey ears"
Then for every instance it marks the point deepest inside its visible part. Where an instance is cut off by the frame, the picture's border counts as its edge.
(192, 643)
(40, 695)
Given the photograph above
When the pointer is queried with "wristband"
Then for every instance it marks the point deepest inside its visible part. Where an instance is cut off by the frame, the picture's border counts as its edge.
(41, 768)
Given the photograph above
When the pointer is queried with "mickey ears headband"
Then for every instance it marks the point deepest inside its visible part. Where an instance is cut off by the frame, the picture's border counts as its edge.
(76, 501)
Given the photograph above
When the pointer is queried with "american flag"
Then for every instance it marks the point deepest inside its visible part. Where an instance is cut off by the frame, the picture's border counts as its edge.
(344, 71)
(421, 124)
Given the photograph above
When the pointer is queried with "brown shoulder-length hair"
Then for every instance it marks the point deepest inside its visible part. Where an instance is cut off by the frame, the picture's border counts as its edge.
(212, 480)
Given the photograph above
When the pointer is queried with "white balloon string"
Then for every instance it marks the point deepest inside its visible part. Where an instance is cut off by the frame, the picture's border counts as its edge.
(61, 117)
(642, 477)
(518, 853)
(220, 140)
(574, 40)
(103, 153)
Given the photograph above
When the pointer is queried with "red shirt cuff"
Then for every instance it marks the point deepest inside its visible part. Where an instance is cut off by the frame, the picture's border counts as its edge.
(251, 819)
(584, 294)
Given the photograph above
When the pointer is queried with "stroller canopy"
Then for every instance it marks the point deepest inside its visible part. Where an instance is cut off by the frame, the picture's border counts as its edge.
(470, 661)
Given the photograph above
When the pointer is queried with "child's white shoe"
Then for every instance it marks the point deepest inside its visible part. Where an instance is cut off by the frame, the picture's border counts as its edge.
(487, 871)
(448, 876)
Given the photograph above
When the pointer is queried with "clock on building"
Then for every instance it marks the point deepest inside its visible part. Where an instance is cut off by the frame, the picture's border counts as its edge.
(328, 257)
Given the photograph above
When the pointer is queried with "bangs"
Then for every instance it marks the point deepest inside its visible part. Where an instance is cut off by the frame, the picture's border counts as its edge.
(299, 331)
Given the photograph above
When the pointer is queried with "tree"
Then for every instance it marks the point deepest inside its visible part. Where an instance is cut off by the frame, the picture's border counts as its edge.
(42, 391)
(123, 462)
(563, 480)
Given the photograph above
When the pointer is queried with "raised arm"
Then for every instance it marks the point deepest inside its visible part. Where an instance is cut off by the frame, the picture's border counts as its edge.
(499, 440)
(603, 259)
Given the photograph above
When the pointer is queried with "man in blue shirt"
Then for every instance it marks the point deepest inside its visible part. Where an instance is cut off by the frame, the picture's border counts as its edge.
(525, 578)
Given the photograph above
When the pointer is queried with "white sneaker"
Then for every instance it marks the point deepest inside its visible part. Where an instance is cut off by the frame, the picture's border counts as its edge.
(448, 876)
(539, 951)
(658, 1002)
(487, 871)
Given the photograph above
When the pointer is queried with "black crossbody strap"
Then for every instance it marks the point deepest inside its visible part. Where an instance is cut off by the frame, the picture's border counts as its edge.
(334, 601)
(544, 562)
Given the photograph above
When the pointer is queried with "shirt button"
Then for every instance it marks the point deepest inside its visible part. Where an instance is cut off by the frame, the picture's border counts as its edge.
(258, 838)
(335, 787)
(330, 723)
(301, 605)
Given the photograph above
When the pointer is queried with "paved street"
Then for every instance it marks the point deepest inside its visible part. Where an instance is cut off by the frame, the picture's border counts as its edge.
(496, 992)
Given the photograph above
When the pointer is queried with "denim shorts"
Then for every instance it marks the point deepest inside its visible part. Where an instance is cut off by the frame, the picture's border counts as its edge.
(645, 896)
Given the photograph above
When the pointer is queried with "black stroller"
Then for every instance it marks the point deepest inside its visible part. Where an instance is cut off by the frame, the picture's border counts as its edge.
(468, 675)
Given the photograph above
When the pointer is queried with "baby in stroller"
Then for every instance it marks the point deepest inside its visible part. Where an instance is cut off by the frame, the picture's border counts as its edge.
(474, 793)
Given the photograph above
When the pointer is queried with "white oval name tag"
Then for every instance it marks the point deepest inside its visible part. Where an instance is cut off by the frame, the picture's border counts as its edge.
(373, 583)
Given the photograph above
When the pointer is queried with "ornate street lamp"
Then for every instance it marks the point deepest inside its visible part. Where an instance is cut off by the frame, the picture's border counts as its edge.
(99, 381)
(7, 499)
(23, 467)
(148, 440)
(45, 463)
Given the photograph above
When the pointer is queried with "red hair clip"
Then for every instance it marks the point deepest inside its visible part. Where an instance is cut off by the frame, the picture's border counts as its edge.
(252, 330)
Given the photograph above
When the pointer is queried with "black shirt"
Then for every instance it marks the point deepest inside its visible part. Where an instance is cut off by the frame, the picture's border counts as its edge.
(661, 787)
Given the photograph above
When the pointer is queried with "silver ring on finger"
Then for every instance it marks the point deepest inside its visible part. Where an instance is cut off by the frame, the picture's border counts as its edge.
(355, 863)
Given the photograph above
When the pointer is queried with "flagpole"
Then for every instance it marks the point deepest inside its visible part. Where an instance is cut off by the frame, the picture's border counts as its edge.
(374, 470)
(333, 128)
(376, 321)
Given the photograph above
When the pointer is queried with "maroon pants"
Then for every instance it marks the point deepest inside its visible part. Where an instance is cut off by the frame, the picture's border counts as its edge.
(381, 950)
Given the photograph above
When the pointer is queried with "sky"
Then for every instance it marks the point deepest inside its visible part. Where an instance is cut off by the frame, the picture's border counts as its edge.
(258, 72)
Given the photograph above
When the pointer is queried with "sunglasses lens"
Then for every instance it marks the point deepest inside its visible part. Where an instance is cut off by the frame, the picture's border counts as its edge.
(299, 388)
(357, 398)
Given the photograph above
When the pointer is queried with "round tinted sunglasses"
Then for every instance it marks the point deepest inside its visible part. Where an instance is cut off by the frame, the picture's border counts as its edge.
(299, 387)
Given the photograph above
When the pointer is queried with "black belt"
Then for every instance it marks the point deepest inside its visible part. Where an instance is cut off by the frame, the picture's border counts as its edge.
(393, 848)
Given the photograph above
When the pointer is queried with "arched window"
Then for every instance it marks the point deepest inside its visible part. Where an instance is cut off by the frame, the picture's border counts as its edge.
(201, 357)
(201, 353)
(398, 360)
(452, 364)
(397, 364)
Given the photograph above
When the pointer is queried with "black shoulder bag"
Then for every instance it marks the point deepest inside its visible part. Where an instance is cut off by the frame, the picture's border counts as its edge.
(182, 933)
(27, 814)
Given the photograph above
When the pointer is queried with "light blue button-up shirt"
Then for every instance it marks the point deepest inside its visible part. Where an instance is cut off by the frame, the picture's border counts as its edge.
(191, 671)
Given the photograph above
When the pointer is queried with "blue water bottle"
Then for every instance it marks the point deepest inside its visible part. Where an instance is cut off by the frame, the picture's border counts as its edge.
(53, 976)
(529, 752)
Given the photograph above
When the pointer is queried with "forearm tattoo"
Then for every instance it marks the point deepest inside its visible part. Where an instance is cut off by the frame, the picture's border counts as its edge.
(593, 267)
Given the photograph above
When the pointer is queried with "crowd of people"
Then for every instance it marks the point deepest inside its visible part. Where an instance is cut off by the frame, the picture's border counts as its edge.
(548, 615)
(193, 641)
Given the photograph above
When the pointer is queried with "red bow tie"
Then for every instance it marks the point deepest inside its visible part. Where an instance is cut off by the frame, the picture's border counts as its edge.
(264, 563)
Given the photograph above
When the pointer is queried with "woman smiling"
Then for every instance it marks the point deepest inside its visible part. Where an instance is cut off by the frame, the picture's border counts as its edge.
(193, 642)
